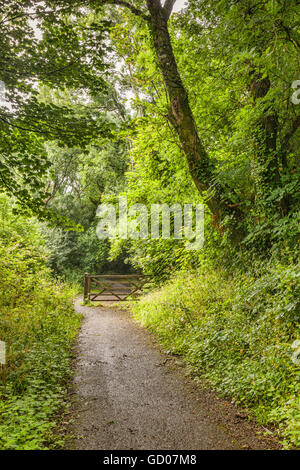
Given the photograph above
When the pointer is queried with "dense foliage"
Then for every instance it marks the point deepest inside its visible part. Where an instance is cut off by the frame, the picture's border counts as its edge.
(239, 333)
(38, 325)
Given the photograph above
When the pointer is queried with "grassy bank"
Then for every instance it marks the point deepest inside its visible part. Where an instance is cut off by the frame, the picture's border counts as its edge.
(239, 334)
(38, 325)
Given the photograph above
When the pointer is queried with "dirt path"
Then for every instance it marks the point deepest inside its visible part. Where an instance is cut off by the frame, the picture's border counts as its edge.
(129, 395)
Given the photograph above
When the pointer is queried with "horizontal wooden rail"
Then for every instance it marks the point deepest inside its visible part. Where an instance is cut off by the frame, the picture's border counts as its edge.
(112, 287)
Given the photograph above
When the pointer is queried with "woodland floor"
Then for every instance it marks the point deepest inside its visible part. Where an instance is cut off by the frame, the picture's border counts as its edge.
(127, 394)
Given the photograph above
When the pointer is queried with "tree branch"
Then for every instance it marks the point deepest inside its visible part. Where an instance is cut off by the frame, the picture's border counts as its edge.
(168, 7)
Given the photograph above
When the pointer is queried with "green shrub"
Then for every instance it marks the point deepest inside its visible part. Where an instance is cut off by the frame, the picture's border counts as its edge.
(238, 334)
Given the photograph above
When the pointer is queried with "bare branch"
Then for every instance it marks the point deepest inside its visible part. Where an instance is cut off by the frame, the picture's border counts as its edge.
(168, 7)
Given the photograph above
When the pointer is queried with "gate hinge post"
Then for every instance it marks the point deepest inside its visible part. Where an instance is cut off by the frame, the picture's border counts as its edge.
(86, 287)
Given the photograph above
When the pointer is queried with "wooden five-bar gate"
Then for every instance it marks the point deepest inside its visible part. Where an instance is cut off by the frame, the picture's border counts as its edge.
(112, 287)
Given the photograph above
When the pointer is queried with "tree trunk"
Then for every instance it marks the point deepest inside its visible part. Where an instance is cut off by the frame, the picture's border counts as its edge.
(267, 129)
(180, 113)
(201, 167)
(181, 117)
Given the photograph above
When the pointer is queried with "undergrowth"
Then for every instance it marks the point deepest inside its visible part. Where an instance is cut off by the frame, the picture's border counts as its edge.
(240, 333)
(38, 325)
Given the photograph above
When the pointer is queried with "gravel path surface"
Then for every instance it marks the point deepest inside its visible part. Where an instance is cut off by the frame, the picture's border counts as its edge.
(130, 395)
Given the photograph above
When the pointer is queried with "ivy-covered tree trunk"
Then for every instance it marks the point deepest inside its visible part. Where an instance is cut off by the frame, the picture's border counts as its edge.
(180, 115)
(269, 156)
